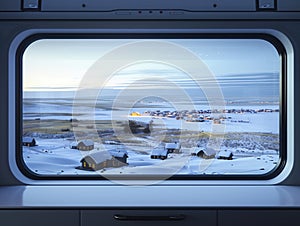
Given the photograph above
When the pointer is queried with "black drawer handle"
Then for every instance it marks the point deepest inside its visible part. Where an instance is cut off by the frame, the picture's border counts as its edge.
(178, 217)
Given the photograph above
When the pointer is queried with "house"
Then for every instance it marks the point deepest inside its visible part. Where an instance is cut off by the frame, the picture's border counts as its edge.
(85, 145)
(205, 153)
(224, 154)
(159, 154)
(28, 141)
(120, 155)
(217, 121)
(104, 159)
(141, 125)
(173, 147)
(135, 114)
(74, 145)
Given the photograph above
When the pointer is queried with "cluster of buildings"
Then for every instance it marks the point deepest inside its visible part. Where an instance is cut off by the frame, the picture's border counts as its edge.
(162, 153)
(205, 153)
(200, 115)
(101, 159)
(94, 161)
(118, 157)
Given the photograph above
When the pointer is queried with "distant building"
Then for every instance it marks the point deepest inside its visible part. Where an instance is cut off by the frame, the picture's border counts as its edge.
(120, 155)
(74, 145)
(28, 141)
(159, 154)
(173, 147)
(205, 153)
(136, 126)
(217, 121)
(135, 114)
(85, 145)
(104, 159)
(224, 154)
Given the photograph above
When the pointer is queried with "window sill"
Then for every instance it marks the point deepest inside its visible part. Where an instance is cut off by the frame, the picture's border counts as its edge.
(149, 196)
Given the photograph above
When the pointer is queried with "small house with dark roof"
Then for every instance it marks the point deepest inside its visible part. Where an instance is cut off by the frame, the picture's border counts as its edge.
(104, 159)
(224, 154)
(205, 153)
(28, 141)
(85, 145)
(73, 145)
(159, 154)
(120, 155)
(173, 147)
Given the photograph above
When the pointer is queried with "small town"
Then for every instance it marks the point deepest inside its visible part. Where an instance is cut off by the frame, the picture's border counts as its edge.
(200, 115)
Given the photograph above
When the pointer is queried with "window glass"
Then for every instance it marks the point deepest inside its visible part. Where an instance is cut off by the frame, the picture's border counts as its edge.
(150, 107)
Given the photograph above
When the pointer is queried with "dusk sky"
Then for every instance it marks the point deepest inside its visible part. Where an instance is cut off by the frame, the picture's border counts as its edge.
(59, 65)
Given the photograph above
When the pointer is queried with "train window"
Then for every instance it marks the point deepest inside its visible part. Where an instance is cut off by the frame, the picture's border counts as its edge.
(152, 106)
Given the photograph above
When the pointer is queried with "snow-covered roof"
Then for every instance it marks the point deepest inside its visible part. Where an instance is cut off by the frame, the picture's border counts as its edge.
(27, 139)
(74, 143)
(172, 146)
(118, 153)
(97, 157)
(196, 150)
(158, 152)
(224, 153)
(141, 119)
(86, 142)
(208, 151)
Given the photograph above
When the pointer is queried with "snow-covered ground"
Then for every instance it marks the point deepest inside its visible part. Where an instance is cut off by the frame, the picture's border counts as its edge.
(54, 156)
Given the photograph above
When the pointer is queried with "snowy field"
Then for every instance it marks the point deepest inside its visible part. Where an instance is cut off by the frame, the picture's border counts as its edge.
(54, 156)
(49, 158)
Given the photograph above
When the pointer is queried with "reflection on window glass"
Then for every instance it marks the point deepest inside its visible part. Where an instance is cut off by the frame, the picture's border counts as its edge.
(151, 107)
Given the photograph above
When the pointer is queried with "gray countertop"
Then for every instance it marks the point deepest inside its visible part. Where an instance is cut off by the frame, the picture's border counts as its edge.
(149, 196)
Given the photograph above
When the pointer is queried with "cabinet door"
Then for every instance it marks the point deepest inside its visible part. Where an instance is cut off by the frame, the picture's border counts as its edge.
(148, 217)
(39, 217)
(259, 217)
